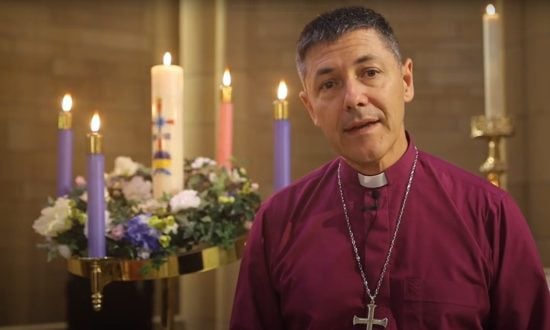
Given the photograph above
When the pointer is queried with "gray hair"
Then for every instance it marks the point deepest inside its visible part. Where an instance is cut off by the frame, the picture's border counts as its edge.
(330, 26)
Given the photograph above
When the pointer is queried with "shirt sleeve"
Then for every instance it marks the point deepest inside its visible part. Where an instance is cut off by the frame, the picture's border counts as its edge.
(520, 298)
(256, 302)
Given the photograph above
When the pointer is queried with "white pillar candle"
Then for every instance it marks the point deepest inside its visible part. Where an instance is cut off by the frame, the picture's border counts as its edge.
(493, 63)
(167, 115)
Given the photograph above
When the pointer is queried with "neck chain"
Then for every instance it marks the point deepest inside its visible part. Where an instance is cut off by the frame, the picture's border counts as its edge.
(370, 320)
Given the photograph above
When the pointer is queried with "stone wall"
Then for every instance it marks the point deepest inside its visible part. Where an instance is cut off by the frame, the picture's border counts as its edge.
(102, 51)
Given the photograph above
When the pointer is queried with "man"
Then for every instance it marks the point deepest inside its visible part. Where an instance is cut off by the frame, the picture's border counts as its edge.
(384, 236)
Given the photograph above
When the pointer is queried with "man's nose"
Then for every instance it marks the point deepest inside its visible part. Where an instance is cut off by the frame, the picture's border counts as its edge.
(355, 96)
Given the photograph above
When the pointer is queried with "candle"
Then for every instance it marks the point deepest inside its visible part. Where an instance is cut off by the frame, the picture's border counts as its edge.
(65, 147)
(281, 138)
(225, 124)
(493, 63)
(167, 115)
(96, 194)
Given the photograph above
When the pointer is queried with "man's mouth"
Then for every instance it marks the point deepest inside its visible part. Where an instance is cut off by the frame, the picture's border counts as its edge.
(360, 125)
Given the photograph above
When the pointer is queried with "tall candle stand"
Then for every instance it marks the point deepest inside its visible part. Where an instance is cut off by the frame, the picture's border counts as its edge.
(492, 130)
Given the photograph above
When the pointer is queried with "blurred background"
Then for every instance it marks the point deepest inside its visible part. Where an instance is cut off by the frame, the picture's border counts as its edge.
(102, 51)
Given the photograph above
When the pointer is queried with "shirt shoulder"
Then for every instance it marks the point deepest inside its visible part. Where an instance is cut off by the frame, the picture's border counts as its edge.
(302, 191)
(459, 181)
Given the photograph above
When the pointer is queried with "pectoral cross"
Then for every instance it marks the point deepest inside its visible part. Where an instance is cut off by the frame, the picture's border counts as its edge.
(370, 320)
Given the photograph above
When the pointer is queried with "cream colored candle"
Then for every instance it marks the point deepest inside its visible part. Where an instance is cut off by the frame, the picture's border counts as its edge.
(493, 63)
(167, 116)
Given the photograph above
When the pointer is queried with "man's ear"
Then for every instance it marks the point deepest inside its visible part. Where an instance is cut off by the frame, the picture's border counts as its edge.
(307, 104)
(408, 83)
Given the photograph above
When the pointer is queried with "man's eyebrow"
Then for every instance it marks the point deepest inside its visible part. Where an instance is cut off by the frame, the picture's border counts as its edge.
(323, 71)
(362, 59)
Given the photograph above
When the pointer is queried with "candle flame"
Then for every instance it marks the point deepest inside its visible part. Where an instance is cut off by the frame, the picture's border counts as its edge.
(67, 103)
(282, 91)
(95, 123)
(167, 58)
(226, 79)
(490, 9)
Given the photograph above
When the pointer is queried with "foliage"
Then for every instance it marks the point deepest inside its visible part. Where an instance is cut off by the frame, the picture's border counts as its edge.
(215, 208)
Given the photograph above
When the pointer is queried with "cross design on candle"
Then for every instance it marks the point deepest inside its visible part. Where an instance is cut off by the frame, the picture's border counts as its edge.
(161, 158)
(370, 321)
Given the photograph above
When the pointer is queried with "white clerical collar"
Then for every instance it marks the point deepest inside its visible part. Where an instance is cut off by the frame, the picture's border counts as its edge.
(372, 181)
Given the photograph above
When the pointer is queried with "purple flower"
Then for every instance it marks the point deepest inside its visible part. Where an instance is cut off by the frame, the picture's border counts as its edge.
(141, 235)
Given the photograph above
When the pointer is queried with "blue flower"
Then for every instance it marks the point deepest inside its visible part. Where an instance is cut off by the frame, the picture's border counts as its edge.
(141, 235)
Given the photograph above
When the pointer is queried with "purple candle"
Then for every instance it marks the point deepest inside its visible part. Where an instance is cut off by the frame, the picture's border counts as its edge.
(281, 155)
(65, 147)
(96, 197)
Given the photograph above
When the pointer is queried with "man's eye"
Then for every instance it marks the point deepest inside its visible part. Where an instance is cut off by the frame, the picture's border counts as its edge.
(369, 73)
(327, 85)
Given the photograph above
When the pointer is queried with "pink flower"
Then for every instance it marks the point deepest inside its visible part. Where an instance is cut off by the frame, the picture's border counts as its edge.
(117, 232)
(80, 181)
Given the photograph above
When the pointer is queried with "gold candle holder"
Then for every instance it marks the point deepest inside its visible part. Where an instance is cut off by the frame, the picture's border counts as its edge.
(225, 87)
(64, 121)
(280, 109)
(226, 93)
(94, 137)
(102, 271)
(492, 129)
(95, 145)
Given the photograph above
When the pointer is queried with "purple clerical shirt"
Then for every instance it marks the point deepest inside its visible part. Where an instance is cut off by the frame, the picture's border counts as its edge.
(464, 257)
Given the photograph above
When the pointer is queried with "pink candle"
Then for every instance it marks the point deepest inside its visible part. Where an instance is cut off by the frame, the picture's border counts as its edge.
(96, 195)
(225, 125)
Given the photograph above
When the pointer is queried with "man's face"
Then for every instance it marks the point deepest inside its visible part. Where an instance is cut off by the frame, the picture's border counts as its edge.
(355, 91)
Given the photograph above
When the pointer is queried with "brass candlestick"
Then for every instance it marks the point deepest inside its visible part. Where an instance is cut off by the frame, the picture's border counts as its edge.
(492, 130)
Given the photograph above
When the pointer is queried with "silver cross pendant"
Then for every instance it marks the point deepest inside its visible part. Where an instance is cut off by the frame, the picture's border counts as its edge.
(370, 321)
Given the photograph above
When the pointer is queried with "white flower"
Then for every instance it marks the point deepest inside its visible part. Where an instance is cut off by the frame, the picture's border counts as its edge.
(254, 186)
(64, 251)
(202, 161)
(54, 219)
(212, 177)
(184, 199)
(143, 254)
(108, 221)
(125, 166)
(235, 176)
(173, 228)
(137, 189)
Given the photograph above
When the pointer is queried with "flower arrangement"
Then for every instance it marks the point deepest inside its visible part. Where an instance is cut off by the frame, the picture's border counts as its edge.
(215, 208)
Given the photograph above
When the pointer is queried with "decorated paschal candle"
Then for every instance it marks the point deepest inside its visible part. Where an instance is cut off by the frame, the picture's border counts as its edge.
(167, 122)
